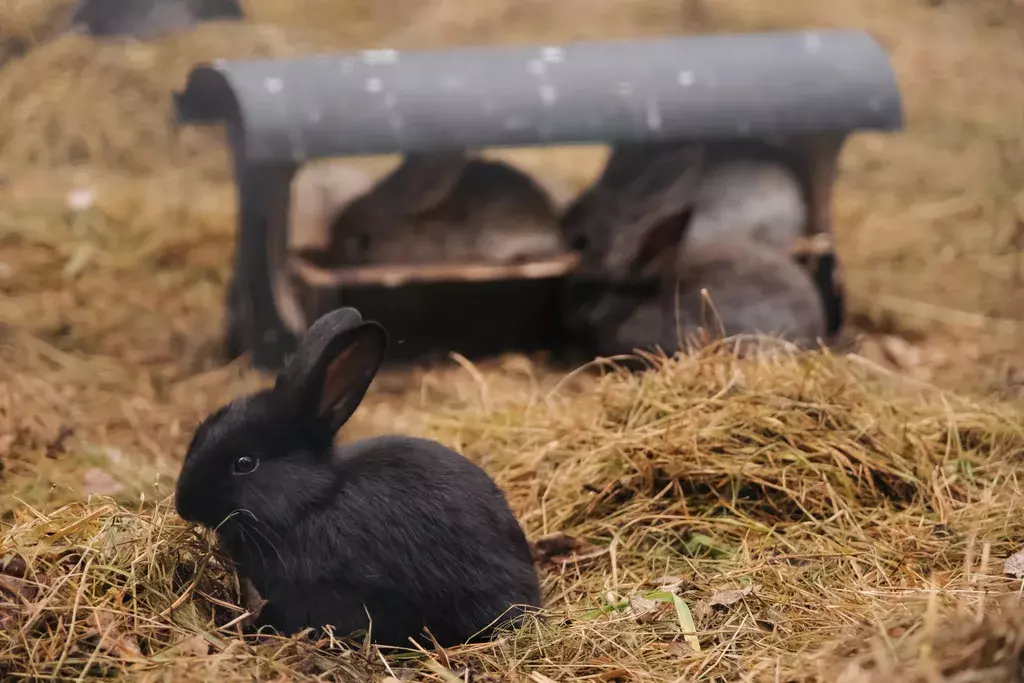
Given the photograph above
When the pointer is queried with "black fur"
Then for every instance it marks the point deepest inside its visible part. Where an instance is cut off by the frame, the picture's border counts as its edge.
(402, 528)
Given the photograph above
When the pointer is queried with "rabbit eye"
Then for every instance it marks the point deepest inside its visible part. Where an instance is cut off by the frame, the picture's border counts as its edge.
(245, 464)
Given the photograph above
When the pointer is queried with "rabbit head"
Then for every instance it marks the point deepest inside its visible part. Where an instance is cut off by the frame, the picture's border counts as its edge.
(267, 454)
(637, 209)
(372, 229)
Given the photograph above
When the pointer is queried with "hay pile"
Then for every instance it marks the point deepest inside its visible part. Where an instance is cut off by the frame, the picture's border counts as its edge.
(25, 24)
(815, 519)
(75, 101)
(777, 518)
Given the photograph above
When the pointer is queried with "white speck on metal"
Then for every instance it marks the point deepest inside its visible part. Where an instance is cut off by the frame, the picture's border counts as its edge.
(687, 78)
(396, 121)
(624, 89)
(451, 82)
(743, 128)
(348, 66)
(315, 115)
(374, 85)
(273, 85)
(548, 94)
(384, 56)
(553, 54)
(389, 100)
(812, 42)
(537, 67)
(514, 123)
(875, 104)
(653, 116)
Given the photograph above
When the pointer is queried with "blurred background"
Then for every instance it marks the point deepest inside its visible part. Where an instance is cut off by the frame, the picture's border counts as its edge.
(117, 228)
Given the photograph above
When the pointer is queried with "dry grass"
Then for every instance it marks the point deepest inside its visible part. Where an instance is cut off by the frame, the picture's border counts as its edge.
(868, 513)
(832, 499)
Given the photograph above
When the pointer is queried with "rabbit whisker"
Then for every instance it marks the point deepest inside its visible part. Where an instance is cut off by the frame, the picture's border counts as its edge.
(256, 529)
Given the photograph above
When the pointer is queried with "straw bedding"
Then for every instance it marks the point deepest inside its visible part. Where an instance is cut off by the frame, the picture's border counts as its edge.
(717, 516)
(120, 95)
(808, 518)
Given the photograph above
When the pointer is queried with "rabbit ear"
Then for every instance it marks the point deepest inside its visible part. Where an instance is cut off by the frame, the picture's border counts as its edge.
(654, 202)
(328, 376)
(665, 185)
(660, 237)
(422, 181)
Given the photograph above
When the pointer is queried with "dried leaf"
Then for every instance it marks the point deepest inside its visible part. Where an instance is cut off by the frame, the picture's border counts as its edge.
(771, 619)
(679, 648)
(195, 645)
(253, 602)
(98, 482)
(16, 581)
(541, 678)
(19, 589)
(729, 597)
(6, 442)
(1014, 565)
(615, 675)
(113, 638)
(59, 443)
(560, 548)
(10, 618)
(666, 582)
(687, 625)
(646, 611)
(14, 565)
(899, 352)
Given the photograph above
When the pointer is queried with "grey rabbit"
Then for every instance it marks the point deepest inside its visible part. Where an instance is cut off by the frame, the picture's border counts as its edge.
(725, 196)
(640, 281)
(446, 207)
(145, 19)
(751, 290)
(390, 534)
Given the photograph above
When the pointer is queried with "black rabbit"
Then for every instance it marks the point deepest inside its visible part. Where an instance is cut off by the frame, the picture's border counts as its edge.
(401, 529)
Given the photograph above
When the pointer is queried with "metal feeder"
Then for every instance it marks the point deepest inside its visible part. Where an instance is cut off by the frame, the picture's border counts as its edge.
(804, 91)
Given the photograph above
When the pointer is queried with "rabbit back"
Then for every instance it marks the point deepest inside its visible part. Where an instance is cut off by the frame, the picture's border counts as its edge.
(749, 200)
(449, 209)
(415, 532)
(752, 290)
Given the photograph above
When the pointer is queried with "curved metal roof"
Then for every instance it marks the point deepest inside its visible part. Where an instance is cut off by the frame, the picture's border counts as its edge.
(682, 88)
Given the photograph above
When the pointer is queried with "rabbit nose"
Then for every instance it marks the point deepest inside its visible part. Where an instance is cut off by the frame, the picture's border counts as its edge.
(192, 508)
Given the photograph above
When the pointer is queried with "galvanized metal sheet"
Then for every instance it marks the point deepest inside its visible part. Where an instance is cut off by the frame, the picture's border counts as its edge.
(683, 88)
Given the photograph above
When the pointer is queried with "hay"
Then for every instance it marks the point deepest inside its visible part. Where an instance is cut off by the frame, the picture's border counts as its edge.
(75, 101)
(774, 501)
(963, 644)
(27, 23)
(799, 510)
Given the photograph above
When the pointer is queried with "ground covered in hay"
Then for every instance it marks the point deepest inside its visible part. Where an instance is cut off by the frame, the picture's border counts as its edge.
(848, 516)
(785, 518)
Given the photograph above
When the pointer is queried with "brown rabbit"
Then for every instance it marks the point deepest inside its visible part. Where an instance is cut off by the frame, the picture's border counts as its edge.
(446, 207)
(643, 271)
(318, 193)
